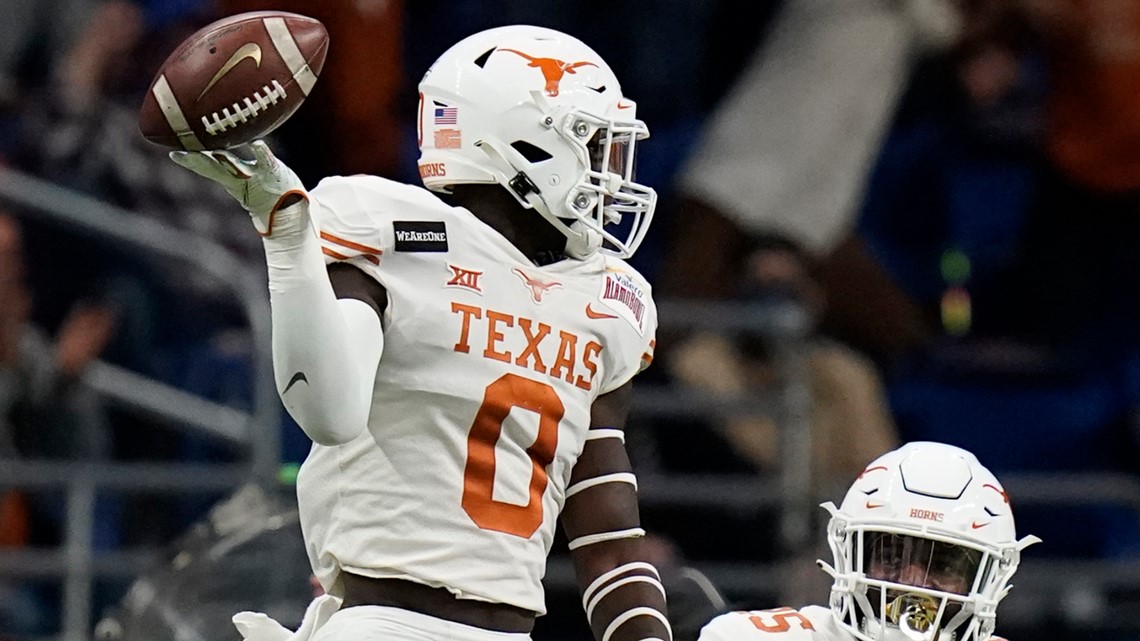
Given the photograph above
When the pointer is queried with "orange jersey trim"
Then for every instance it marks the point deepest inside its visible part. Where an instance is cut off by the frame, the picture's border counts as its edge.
(350, 244)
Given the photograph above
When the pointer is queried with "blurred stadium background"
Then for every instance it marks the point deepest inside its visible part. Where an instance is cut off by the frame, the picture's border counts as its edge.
(880, 220)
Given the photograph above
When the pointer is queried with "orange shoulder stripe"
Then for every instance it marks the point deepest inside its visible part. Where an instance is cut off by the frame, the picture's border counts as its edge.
(350, 244)
(336, 255)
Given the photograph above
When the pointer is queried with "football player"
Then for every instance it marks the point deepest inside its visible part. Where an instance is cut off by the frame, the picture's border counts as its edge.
(462, 357)
(924, 548)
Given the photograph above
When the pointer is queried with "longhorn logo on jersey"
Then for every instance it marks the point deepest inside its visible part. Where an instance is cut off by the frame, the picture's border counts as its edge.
(537, 286)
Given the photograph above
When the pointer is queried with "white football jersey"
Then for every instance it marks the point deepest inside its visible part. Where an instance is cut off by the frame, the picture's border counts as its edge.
(482, 397)
(811, 623)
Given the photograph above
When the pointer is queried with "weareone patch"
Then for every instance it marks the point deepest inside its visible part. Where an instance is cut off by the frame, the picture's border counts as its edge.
(420, 235)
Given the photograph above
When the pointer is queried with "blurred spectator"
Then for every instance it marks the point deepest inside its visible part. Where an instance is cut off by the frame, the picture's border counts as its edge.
(82, 132)
(44, 410)
(181, 326)
(1016, 268)
(945, 201)
(786, 155)
(45, 413)
(1080, 268)
(32, 35)
(850, 419)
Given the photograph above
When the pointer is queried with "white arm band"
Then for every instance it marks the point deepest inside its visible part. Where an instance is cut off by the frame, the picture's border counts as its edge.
(605, 432)
(616, 477)
(602, 537)
(618, 571)
(325, 351)
(632, 613)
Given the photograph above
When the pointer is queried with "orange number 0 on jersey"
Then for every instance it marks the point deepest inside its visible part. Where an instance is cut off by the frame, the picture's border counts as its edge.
(780, 620)
(508, 392)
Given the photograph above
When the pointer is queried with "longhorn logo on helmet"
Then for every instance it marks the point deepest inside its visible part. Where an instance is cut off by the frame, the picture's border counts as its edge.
(552, 69)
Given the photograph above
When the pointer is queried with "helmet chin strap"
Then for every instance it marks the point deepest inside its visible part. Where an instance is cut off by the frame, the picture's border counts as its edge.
(584, 242)
(581, 240)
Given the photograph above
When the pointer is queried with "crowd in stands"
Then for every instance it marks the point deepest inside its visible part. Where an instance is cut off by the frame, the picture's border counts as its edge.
(949, 189)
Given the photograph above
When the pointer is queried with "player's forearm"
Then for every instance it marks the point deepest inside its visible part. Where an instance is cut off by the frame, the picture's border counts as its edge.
(325, 351)
(622, 592)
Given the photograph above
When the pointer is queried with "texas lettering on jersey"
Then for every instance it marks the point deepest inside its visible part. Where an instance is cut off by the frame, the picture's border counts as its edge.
(569, 362)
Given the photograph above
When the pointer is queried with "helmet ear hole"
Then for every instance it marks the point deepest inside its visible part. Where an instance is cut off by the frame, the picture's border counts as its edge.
(481, 61)
(531, 152)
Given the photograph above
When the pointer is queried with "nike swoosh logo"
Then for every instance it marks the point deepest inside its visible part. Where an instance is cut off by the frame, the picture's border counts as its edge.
(975, 525)
(871, 506)
(624, 105)
(299, 376)
(590, 313)
(247, 50)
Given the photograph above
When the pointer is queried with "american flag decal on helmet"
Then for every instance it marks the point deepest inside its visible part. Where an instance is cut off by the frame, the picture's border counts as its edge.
(446, 115)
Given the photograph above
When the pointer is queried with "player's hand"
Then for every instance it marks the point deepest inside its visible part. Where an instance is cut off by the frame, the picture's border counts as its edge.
(256, 626)
(263, 185)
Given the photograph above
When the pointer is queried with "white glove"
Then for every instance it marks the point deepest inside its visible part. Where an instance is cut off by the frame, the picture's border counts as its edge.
(262, 186)
(256, 626)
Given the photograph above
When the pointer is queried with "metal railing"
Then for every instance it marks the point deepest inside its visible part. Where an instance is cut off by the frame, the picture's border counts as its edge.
(256, 431)
(785, 325)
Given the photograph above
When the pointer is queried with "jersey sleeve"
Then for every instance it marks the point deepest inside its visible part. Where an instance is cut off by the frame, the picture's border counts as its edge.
(357, 218)
(627, 295)
(726, 627)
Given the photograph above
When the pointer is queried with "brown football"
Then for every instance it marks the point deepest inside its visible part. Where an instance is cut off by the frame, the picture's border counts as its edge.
(234, 81)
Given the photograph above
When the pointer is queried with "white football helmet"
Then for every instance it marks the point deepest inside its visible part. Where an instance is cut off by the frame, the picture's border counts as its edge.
(924, 547)
(540, 113)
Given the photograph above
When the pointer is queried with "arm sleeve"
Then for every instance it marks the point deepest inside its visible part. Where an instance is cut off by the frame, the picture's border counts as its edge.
(325, 350)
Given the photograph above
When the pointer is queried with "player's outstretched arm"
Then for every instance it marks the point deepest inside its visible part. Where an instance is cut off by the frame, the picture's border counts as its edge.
(325, 350)
(621, 590)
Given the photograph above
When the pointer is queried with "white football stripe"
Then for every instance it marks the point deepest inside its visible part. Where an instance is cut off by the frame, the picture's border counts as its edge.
(618, 571)
(602, 537)
(606, 591)
(287, 48)
(604, 432)
(174, 116)
(633, 613)
(616, 477)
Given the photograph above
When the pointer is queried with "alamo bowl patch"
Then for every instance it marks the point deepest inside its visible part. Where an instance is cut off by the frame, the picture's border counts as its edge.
(420, 235)
(626, 297)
